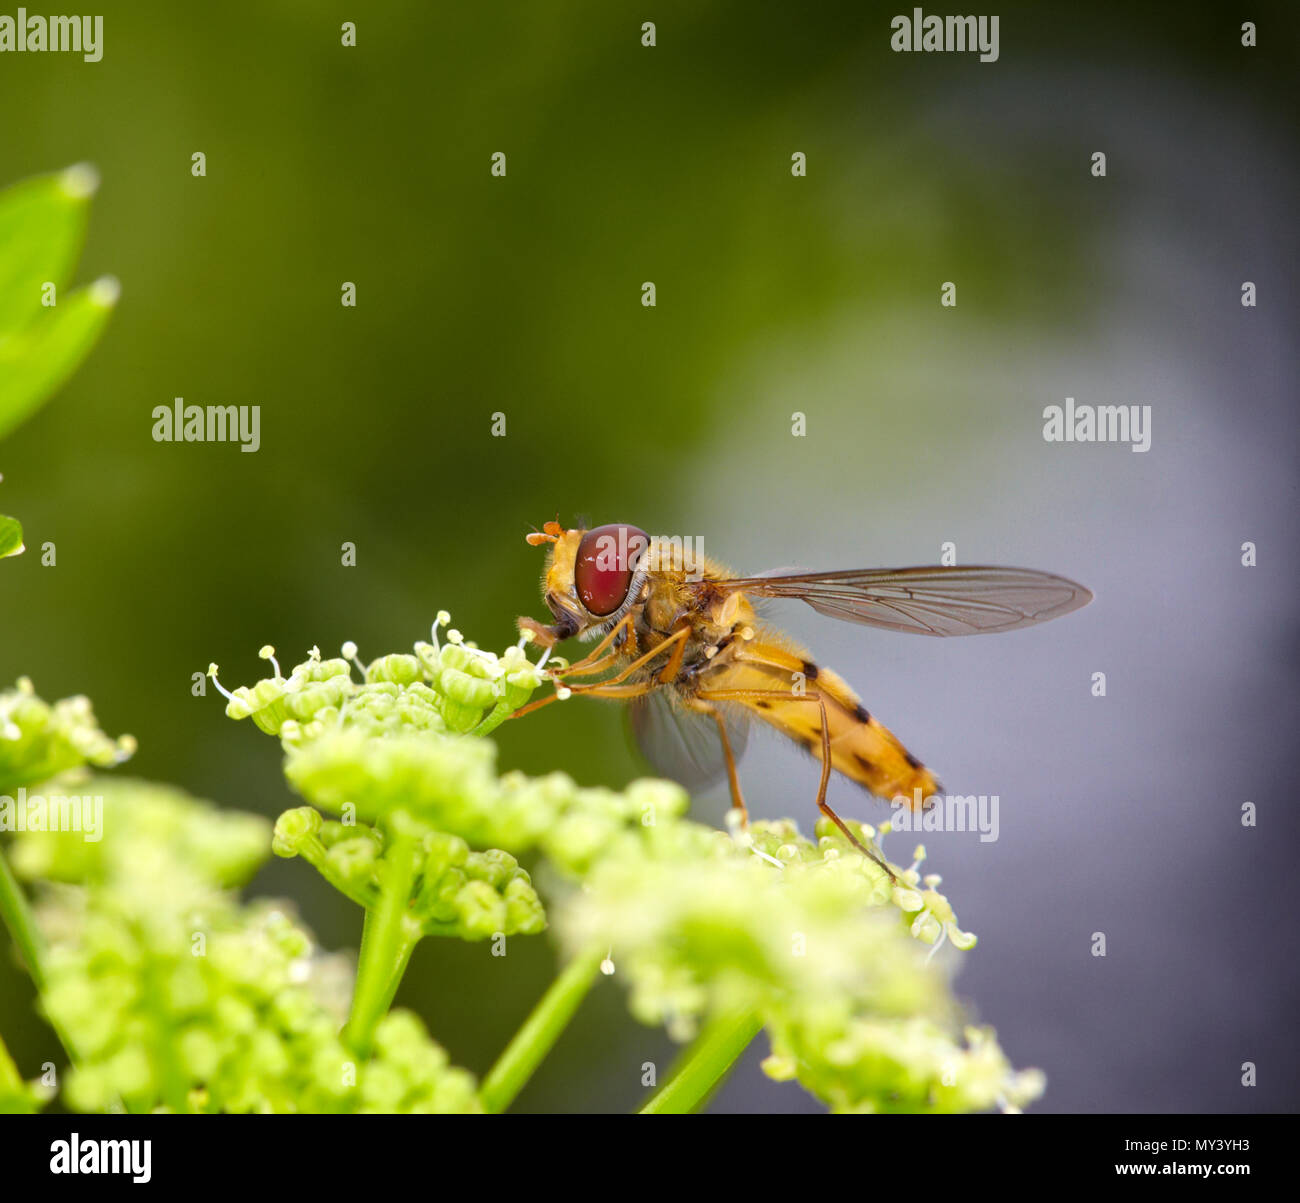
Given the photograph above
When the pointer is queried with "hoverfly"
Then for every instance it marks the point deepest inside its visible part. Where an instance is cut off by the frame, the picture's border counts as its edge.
(679, 640)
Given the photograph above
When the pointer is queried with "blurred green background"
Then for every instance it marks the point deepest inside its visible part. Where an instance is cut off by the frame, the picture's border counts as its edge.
(522, 295)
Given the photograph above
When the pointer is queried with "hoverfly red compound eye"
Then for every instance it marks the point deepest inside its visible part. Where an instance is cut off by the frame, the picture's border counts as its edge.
(607, 561)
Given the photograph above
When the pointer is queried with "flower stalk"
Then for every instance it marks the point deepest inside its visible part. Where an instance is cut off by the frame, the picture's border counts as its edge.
(17, 915)
(386, 944)
(540, 1031)
(15, 1098)
(705, 1064)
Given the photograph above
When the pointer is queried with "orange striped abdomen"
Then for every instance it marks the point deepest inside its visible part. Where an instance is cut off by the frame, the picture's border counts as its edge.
(865, 750)
(862, 748)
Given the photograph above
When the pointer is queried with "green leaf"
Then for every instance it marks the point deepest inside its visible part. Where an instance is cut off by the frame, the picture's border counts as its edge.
(42, 226)
(35, 361)
(11, 536)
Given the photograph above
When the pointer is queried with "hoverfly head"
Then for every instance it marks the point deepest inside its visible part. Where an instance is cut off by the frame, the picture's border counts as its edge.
(592, 576)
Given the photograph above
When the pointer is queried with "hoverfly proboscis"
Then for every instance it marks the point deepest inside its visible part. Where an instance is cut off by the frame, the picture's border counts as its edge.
(681, 641)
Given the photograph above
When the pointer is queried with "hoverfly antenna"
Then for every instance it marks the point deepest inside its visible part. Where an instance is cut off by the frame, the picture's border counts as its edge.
(549, 533)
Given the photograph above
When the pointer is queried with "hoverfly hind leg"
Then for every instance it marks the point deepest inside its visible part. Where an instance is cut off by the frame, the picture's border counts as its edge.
(760, 695)
(824, 806)
(857, 843)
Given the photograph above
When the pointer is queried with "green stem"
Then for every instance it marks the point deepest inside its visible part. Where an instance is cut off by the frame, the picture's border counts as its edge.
(705, 1064)
(386, 945)
(18, 918)
(540, 1031)
(21, 923)
(403, 959)
(493, 719)
(14, 1098)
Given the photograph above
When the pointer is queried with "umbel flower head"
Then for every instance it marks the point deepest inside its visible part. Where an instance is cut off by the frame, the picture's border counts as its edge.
(393, 743)
(836, 959)
(816, 941)
(39, 740)
(459, 892)
(178, 997)
(451, 687)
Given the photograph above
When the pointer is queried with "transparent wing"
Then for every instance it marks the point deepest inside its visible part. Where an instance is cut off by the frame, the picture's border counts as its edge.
(683, 745)
(927, 601)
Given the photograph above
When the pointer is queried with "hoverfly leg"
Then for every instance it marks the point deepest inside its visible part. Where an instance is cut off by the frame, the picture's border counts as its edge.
(640, 662)
(673, 668)
(857, 843)
(600, 690)
(535, 704)
(598, 658)
(824, 806)
(733, 778)
(742, 695)
(623, 693)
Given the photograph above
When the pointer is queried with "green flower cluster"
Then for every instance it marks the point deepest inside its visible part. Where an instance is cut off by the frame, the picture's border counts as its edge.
(452, 688)
(427, 833)
(146, 829)
(816, 941)
(451, 785)
(390, 745)
(179, 997)
(810, 936)
(469, 895)
(39, 740)
(862, 1064)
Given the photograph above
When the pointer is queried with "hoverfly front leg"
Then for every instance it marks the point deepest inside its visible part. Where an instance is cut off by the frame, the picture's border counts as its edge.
(604, 653)
(623, 693)
(641, 661)
(611, 687)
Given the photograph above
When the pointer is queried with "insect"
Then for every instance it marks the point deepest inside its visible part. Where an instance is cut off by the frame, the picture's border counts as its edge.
(679, 639)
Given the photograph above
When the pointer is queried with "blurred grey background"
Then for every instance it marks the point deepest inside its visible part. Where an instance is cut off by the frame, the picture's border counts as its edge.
(775, 294)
